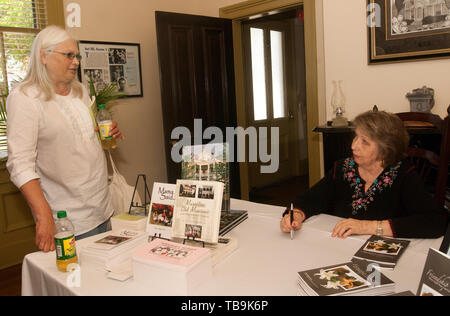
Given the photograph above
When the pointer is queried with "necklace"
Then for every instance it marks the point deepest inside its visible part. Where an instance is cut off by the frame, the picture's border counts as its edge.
(361, 199)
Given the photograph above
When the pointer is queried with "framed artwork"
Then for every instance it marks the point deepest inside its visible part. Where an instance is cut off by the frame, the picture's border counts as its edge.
(108, 62)
(404, 30)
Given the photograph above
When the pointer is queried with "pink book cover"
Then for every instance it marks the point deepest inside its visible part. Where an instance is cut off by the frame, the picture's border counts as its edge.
(160, 252)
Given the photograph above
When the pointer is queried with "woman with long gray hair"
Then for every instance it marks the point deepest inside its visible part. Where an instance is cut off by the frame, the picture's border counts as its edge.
(54, 156)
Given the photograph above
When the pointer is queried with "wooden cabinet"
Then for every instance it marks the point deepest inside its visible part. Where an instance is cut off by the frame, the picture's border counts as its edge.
(17, 226)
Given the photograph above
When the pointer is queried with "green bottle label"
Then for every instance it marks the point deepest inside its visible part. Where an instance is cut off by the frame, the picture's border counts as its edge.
(65, 248)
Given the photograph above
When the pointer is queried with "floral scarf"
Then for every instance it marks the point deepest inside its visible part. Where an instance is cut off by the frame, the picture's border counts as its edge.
(362, 199)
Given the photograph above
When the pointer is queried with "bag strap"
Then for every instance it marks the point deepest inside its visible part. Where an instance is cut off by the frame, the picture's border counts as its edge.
(113, 165)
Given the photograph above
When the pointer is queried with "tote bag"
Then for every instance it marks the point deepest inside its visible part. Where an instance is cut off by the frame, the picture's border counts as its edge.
(121, 191)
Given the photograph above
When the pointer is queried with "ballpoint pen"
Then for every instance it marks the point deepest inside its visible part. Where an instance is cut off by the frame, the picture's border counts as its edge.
(292, 220)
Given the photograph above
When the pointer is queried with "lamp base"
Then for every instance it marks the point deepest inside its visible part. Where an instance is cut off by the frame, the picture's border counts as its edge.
(339, 121)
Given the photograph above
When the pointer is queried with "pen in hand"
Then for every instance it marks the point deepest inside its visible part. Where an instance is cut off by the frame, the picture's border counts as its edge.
(292, 220)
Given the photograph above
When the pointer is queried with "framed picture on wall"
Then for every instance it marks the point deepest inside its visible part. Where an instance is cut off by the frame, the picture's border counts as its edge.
(108, 62)
(405, 30)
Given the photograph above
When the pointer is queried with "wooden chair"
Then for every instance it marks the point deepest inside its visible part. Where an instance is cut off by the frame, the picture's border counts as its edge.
(427, 162)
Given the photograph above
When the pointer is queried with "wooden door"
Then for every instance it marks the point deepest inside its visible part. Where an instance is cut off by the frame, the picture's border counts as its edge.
(197, 79)
(272, 98)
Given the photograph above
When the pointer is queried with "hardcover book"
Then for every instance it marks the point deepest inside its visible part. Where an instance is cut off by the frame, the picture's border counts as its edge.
(435, 275)
(160, 216)
(230, 219)
(382, 250)
(208, 162)
(347, 279)
(197, 210)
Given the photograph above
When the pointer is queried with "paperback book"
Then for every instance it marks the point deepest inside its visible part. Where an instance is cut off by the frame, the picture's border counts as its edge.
(435, 275)
(208, 162)
(171, 268)
(160, 217)
(382, 250)
(112, 248)
(347, 279)
(197, 210)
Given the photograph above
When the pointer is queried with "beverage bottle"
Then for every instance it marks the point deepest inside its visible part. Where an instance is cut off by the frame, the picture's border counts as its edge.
(104, 122)
(66, 252)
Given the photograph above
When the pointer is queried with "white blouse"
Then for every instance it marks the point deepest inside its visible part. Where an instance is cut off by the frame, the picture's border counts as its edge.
(54, 141)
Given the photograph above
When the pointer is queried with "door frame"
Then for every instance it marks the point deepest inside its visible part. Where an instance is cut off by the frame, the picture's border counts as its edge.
(241, 11)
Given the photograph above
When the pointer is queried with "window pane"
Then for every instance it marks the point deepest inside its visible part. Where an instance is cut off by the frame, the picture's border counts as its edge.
(17, 50)
(276, 47)
(258, 72)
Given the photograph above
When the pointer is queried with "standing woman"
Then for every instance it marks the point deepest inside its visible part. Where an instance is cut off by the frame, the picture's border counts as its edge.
(54, 156)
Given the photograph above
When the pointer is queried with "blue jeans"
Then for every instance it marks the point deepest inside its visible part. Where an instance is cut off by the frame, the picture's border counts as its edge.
(98, 230)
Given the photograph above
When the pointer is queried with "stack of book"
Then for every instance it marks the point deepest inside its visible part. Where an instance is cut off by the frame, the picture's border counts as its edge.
(171, 268)
(383, 251)
(130, 222)
(347, 279)
(230, 219)
(112, 249)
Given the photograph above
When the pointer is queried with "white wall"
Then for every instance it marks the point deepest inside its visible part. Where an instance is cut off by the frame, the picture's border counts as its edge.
(345, 45)
(140, 119)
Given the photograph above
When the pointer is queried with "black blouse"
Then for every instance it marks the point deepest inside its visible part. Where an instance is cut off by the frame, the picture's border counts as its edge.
(397, 195)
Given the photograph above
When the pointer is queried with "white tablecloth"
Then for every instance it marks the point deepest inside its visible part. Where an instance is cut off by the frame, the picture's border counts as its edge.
(265, 263)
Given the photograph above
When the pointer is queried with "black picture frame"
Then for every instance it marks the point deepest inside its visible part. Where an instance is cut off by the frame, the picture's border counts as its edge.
(397, 31)
(445, 245)
(109, 62)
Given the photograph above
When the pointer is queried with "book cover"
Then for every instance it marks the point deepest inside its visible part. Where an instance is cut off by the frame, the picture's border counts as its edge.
(208, 162)
(197, 210)
(435, 279)
(115, 239)
(230, 219)
(160, 215)
(166, 253)
(342, 279)
(382, 250)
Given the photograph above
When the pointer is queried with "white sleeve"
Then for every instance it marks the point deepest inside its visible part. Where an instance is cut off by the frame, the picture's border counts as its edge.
(22, 131)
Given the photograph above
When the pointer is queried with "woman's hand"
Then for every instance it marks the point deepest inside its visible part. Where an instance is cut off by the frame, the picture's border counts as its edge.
(115, 132)
(351, 226)
(285, 224)
(45, 228)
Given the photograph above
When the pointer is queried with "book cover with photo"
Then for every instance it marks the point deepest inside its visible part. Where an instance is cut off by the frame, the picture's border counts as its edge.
(344, 279)
(383, 251)
(160, 215)
(114, 239)
(197, 210)
(435, 280)
(163, 252)
(208, 162)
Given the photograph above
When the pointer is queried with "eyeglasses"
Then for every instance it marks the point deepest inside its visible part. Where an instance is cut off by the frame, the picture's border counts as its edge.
(70, 55)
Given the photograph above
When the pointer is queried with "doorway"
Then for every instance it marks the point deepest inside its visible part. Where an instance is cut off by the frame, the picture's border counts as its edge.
(275, 85)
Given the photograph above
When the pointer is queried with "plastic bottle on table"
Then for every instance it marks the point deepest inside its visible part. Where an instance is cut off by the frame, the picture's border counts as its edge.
(104, 121)
(66, 252)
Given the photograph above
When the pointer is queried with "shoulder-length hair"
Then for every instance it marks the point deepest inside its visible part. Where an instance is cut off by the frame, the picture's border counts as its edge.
(37, 75)
(388, 132)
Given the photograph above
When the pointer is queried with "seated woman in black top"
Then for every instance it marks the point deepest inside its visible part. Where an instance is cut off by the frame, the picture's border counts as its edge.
(375, 190)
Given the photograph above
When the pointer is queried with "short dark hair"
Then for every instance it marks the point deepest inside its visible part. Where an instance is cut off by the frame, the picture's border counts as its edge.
(388, 131)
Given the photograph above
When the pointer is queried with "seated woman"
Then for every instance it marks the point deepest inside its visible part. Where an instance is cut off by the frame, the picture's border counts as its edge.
(376, 190)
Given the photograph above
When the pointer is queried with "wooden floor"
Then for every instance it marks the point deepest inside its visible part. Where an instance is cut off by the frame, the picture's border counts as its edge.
(11, 281)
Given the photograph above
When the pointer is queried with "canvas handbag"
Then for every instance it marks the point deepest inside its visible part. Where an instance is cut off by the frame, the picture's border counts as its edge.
(121, 191)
